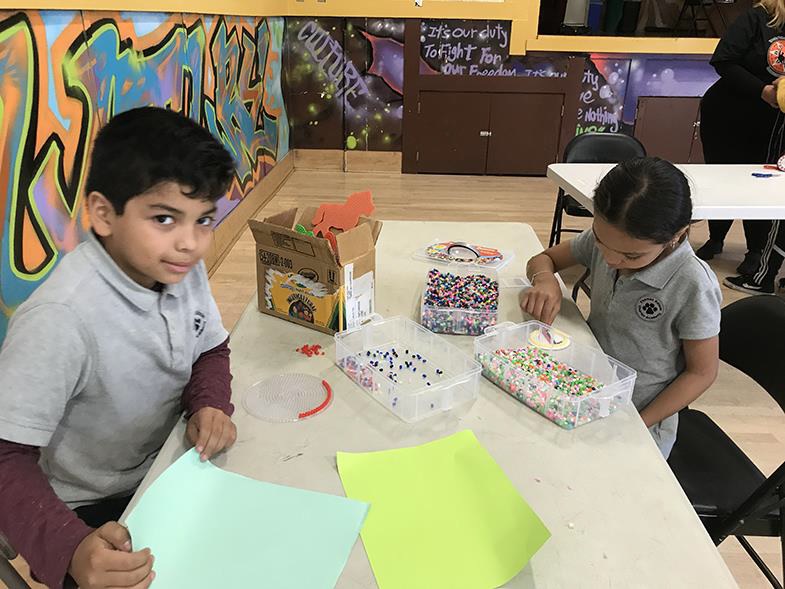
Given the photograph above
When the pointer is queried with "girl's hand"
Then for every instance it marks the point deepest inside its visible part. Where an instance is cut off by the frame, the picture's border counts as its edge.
(769, 94)
(210, 430)
(543, 300)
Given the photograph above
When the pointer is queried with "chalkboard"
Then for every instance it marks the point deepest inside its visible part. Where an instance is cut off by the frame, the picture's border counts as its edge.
(466, 47)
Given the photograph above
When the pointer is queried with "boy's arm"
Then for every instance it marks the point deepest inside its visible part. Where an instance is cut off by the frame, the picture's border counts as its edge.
(44, 362)
(206, 400)
(210, 383)
(702, 363)
(37, 524)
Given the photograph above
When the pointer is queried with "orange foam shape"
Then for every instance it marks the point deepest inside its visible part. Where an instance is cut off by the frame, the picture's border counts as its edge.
(343, 216)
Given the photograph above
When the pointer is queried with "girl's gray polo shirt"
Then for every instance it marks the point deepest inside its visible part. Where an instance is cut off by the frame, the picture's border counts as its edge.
(641, 318)
(93, 367)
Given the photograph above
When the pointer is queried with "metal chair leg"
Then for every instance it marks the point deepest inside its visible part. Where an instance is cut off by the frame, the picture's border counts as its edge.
(781, 493)
(9, 576)
(558, 211)
(759, 561)
(581, 285)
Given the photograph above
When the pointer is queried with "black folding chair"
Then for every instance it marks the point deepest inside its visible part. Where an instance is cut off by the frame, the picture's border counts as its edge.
(730, 494)
(590, 148)
(582, 285)
(8, 574)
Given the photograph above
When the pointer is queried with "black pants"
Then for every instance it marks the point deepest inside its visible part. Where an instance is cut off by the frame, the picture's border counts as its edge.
(739, 130)
(98, 514)
(755, 232)
(773, 254)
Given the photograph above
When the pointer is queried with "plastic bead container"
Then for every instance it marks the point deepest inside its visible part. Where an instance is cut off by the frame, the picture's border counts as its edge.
(411, 371)
(571, 386)
(460, 320)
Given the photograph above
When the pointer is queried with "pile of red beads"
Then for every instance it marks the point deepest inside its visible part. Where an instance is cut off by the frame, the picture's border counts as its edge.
(459, 304)
(310, 350)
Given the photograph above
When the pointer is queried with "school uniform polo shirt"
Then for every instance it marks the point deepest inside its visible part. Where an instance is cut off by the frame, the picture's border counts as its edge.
(93, 368)
(641, 318)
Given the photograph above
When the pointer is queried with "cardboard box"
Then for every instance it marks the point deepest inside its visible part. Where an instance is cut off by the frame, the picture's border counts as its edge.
(300, 278)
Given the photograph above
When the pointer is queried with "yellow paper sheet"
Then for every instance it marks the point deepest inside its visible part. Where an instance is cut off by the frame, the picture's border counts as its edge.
(443, 516)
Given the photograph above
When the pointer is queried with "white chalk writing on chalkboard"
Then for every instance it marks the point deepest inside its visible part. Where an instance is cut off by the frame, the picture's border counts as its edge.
(478, 48)
(488, 32)
(602, 118)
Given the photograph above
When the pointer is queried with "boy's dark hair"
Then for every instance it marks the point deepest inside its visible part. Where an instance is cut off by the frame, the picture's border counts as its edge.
(648, 198)
(140, 148)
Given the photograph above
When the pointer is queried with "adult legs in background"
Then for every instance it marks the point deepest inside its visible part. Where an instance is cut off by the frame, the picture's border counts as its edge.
(755, 234)
(736, 130)
(717, 232)
(629, 17)
(552, 16)
(613, 14)
(762, 280)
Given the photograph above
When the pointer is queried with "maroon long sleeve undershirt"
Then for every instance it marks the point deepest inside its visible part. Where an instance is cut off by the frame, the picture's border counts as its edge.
(38, 524)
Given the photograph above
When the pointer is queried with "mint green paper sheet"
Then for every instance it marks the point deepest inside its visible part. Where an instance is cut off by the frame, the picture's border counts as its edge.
(444, 516)
(209, 528)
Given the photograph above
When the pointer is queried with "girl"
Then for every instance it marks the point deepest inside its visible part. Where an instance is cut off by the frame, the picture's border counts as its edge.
(654, 305)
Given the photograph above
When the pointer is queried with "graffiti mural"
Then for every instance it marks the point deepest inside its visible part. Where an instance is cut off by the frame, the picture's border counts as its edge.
(344, 82)
(612, 86)
(603, 90)
(664, 76)
(65, 73)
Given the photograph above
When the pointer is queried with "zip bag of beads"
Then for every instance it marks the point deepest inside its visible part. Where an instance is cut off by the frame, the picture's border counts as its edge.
(568, 383)
(461, 252)
(412, 372)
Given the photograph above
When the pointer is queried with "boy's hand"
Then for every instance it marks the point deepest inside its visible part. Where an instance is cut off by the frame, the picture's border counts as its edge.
(543, 300)
(211, 430)
(104, 559)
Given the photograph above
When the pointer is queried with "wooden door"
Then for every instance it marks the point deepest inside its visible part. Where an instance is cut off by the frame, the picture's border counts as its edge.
(452, 132)
(666, 126)
(525, 131)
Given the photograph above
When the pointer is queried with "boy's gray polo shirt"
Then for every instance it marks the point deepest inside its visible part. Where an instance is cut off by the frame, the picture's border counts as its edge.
(93, 368)
(641, 318)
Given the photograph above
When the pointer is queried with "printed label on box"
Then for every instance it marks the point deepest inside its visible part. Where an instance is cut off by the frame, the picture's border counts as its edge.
(299, 297)
(360, 306)
(348, 280)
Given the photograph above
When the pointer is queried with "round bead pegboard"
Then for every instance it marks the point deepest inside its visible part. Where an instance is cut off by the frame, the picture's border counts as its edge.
(288, 397)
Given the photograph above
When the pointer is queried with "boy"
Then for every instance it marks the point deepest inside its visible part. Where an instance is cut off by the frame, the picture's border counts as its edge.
(101, 360)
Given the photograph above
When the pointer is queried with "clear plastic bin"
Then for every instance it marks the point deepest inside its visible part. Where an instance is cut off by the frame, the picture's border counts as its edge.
(455, 320)
(427, 374)
(616, 381)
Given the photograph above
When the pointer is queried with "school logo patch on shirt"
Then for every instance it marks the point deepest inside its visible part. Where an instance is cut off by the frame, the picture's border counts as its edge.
(199, 322)
(649, 308)
(775, 56)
